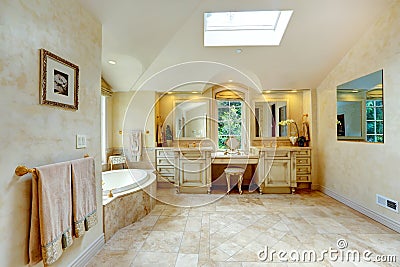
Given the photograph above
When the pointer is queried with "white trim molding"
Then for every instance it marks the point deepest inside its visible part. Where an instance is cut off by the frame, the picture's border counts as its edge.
(89, 252)
(392, 224)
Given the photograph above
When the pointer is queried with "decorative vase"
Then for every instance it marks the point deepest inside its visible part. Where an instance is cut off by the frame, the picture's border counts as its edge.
(293, 139)
(301, 141)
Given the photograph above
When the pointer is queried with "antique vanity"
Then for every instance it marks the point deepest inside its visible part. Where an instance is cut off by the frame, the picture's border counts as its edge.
(195, 163)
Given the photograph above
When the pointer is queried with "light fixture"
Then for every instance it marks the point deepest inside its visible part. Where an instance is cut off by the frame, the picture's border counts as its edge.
(267, 92)
(230, 81)
(238, 51)
(354, 91)
(169, 93)
(112, 62)
(194, 92)
(294, 91)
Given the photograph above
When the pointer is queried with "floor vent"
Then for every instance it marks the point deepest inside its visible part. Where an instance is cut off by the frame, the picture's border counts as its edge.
(387, 203)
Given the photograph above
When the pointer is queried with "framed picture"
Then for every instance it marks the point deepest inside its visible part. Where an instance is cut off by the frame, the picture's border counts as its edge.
(59, 81)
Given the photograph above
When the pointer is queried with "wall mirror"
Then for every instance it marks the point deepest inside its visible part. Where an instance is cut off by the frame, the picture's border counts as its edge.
(267, 115)
(190, 118)
(360, 109)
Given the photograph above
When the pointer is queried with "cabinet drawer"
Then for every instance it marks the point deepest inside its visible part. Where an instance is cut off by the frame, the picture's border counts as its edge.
(278, 154)
(302, 161)
(303, 153)
(166, 170)
(165, 161)
(303, 178)
(191, 155)
(303, 169)
(165, 153)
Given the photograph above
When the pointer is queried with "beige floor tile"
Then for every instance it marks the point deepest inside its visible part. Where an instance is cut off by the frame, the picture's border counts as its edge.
(186, 260)
(154, 259)
(190, 243)
(163, 241)
(170, 223)
(217, 230)
(111, 258)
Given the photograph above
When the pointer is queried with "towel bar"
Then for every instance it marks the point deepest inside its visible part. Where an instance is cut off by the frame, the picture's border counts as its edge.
(22, 170)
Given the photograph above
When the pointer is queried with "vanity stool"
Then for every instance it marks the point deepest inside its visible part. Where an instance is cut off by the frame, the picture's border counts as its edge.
(234, 171)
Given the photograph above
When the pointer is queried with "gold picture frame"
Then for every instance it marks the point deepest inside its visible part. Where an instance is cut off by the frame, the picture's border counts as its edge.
(59, 81)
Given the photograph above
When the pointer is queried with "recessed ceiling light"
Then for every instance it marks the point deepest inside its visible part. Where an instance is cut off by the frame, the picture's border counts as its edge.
(112, 62)
(238, 51)
(230, 81)
(194, 92)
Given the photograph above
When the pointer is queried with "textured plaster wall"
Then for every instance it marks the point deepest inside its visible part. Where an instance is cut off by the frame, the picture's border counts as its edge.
(354, 170)
(32, 134)
(136, 110)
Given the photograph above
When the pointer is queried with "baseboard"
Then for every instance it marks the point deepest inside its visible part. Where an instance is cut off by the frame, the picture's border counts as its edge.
(316, 187)
(89, 252)
(392, 224)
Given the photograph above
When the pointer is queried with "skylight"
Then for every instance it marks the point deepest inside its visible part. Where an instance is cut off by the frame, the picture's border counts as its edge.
(245, 28)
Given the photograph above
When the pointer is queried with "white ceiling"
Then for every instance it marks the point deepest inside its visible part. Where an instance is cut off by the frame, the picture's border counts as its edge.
(145, 37)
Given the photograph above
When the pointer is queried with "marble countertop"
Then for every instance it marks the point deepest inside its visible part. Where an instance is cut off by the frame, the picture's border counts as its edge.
(291, 148)
(221, 154)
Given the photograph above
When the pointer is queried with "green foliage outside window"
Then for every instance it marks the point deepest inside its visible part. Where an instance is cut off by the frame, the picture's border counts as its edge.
(374, 120)
(229, 121)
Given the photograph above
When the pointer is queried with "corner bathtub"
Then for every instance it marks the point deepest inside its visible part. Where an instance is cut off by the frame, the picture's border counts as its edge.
(134, 197)
(123, 180)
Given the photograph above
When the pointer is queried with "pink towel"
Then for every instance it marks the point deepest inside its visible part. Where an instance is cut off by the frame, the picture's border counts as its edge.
(51, 220)
(84, 204)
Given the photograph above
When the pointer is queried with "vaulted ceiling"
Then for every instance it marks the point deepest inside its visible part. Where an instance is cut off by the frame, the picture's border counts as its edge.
(146, 37)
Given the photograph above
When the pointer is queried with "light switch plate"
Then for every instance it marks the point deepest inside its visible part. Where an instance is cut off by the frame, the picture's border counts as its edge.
(80, 141)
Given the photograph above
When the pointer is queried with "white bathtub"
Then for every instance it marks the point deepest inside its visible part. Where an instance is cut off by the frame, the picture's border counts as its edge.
(123, 180)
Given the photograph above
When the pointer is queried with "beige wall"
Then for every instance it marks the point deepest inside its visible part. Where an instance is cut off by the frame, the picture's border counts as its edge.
(358, 171)
(32, 134)
(139, 109)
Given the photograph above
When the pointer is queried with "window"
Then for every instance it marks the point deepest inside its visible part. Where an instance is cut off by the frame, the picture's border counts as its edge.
(245, 28)
(103, 129)
(374, 120)
(230, 121)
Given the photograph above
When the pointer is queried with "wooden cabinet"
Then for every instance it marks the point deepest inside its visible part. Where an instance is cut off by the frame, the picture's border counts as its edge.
(194, 172)
(277, 173)
(282, 168)
(303, 166)
(165, 165)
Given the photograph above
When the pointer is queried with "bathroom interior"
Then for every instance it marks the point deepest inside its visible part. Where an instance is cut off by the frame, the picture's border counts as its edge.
(310, 144)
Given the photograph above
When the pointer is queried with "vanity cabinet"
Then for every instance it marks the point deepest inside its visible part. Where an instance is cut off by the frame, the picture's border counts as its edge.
(165, 165)
(277, 174)
(282, 168)
(303, 166)
(194, 172)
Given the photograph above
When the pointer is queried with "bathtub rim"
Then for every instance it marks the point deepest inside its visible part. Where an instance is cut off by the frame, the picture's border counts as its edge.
(127, 187)
(151, 179)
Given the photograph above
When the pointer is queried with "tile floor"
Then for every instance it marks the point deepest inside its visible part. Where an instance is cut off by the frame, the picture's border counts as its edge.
(231, 231)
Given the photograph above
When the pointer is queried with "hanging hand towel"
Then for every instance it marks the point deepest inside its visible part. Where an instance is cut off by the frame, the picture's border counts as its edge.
(135, 145)
(84, 204)
(51, 220)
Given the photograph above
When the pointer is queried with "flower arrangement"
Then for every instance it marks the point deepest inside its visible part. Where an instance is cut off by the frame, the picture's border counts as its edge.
(288, 122)
(292, 139)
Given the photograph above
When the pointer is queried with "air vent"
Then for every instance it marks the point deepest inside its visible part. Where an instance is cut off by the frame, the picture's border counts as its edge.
(387, 203)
